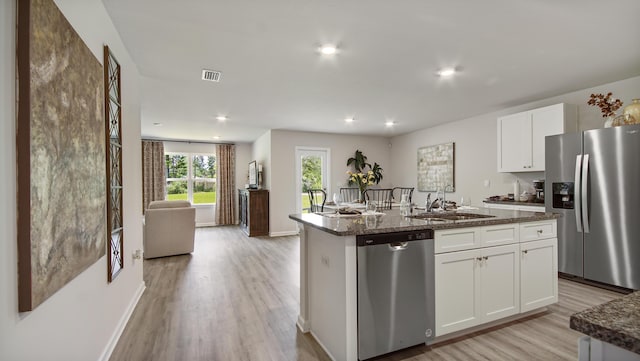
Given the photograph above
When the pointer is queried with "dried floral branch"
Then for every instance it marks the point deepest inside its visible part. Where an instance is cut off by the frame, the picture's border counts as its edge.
(607, 106)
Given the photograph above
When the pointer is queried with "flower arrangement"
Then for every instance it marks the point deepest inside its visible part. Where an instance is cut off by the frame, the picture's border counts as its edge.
(607, 106)
(361, 177)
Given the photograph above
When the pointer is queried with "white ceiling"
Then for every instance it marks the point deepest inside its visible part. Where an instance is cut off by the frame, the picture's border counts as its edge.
(510, 52)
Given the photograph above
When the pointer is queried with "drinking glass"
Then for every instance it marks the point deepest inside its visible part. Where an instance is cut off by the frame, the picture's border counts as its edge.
(371, 206)
(465, 201)
(336, 199)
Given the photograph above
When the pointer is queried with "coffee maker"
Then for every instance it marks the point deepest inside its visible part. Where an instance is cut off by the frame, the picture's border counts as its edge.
(538, 185)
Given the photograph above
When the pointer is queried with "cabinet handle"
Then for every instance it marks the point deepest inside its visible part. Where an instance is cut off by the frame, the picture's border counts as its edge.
(525, 251)
(485, 258)
(479, 259)
(539, 231)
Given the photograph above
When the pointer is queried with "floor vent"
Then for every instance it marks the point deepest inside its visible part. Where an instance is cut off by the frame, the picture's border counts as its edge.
(211, 75)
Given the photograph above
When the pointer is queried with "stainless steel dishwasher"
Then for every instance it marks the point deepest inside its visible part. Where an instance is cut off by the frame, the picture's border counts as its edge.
(396, 301)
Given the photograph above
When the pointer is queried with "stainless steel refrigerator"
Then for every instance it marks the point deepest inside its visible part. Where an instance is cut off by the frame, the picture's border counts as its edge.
(593, 179)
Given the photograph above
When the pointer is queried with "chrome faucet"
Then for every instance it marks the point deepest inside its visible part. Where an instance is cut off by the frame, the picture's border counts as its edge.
(444, 196)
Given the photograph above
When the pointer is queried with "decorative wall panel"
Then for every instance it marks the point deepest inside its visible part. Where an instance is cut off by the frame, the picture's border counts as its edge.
(113, 114)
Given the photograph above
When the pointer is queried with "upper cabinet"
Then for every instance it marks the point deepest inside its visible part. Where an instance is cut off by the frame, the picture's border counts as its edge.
(521, 136)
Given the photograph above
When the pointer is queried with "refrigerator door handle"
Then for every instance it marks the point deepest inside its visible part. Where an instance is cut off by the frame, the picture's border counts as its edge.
(585, 192)
(578, 203)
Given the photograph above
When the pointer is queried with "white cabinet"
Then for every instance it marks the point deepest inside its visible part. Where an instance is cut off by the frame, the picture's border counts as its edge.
(533, 231)
(457, 284)
(538, 274)
(476, 286)
(499, 282)
(483, 274)
(521, 136)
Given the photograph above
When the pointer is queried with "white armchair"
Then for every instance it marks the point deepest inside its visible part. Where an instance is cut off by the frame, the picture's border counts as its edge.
(169, 228)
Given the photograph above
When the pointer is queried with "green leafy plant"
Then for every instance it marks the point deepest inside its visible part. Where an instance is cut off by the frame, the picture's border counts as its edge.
(362, 177)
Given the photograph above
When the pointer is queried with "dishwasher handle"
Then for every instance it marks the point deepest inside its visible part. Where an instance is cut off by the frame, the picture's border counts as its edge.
(398, 246)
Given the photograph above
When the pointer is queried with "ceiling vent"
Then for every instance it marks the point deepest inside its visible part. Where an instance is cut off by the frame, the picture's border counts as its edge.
(211, 75)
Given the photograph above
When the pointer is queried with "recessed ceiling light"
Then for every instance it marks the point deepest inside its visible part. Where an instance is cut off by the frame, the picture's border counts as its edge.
(222, 118)
(216, 137)
(328, 49)
(349, 120)
(390, 123)
(157, 124)
(446, 72)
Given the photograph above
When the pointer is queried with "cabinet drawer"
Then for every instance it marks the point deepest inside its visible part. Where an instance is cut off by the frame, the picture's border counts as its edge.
(537, 230)
(456, 239)
(499, 234)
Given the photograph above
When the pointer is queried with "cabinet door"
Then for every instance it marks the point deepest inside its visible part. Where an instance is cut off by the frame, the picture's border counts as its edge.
(456, 287)
(538, 274)
(544, 121)
(500, 282)
(514, 142)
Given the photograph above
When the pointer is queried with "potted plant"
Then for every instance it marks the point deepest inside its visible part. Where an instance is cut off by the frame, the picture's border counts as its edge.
(362, 177)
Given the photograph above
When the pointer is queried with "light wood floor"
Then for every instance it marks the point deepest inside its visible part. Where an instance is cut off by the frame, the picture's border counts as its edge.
(236, 298)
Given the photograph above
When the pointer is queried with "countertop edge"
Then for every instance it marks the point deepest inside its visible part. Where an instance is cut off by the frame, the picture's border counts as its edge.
(537, 216)
(610, 322)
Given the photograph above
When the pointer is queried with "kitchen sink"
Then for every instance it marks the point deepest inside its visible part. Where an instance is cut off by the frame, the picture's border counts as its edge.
(450, 216)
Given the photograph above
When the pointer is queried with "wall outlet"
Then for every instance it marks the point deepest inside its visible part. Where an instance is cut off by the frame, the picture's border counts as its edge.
(487, 183)
(137, 254)
(324, 260)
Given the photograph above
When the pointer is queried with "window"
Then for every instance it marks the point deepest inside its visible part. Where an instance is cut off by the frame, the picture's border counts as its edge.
(191, 177)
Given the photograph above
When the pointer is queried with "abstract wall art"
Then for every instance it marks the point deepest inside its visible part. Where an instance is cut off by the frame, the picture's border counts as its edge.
(60, 153)
(436, 167)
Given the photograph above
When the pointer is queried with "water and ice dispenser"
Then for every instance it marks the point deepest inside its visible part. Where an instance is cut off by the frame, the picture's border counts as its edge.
(562, 195)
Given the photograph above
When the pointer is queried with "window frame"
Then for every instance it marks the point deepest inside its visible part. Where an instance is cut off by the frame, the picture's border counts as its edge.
(190, 177)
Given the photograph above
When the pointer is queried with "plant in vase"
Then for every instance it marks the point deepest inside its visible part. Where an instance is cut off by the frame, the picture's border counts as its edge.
(607, 106)
(362, 177)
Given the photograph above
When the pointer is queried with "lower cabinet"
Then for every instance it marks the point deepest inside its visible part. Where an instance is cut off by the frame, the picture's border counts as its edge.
(538, 274)
(487, 283)
(476, 286)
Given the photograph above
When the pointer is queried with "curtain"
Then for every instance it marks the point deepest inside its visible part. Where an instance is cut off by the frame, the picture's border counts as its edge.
(153, 172)
(225, 184)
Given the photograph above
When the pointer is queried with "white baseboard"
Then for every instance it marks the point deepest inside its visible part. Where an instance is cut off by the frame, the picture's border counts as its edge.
(322, 346)
(303, 325)
(111, 345)
(205, 224)
(284, 233)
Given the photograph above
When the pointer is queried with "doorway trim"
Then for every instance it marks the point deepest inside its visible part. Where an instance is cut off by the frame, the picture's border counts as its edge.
(326, 175)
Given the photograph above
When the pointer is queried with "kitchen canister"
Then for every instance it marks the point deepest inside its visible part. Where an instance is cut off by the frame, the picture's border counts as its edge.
(633, 110)
(516, 189)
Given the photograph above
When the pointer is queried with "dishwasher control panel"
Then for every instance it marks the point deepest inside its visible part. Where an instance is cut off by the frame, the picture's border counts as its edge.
(382, 238)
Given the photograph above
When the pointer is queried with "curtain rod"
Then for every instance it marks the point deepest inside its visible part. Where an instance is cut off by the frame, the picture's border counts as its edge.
(182, 141)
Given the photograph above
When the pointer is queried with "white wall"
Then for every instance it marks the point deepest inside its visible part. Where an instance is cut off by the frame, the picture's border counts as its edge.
(281, 171)
(476, 145)
(80, 320)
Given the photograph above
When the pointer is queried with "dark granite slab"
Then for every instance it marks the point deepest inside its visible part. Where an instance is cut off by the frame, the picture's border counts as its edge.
(392, 221)
(616, 322)
(516, 203)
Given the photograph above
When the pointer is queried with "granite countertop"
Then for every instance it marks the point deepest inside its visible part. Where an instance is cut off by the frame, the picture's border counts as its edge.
(392, 221)
(616, 322)
(517, 203)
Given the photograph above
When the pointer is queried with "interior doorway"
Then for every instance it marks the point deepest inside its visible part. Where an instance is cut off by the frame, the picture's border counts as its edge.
(312, 171)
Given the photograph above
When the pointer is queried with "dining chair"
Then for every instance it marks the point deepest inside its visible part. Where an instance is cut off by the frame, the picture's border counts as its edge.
(317, 198)
(349, 194)
(382, 197)
(401, 191)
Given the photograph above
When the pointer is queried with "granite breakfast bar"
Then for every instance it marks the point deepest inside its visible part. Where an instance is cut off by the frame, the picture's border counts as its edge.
(328, 269)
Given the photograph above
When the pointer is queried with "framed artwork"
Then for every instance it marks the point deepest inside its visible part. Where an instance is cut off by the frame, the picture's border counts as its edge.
(436, 164)
(60, 153)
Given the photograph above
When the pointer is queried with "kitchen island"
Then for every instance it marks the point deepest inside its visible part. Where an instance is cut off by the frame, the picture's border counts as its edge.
(490, 269)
